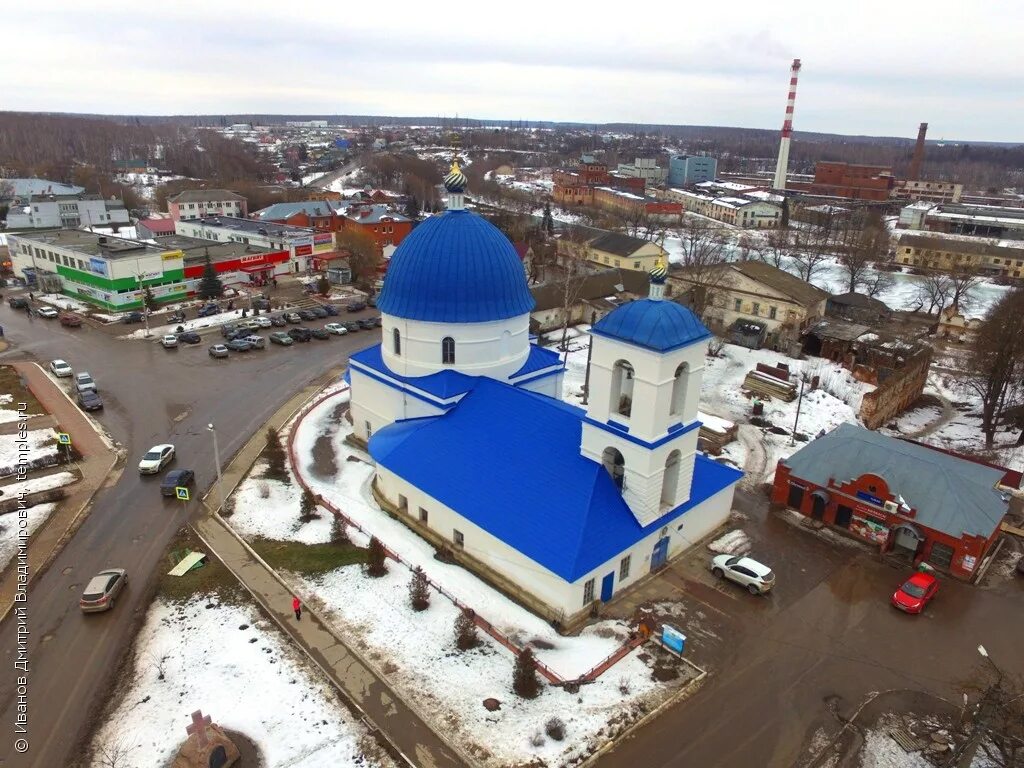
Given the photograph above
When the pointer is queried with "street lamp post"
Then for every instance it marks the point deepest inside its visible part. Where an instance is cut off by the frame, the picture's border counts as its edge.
(216, 460)
(142, 295)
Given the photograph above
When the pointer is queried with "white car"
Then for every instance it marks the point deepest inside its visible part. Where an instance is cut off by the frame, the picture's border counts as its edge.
(170, 341)
(60, 369)
(48, 312)
(756, 577)
(262, 322)
(336, 328)
(84, 381)
(156, 458)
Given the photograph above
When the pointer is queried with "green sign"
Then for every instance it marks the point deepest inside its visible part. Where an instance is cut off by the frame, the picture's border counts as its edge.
(181, 493)
(64, 438)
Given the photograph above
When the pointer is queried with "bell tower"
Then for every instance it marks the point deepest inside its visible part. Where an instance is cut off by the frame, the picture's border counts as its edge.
(641, 423)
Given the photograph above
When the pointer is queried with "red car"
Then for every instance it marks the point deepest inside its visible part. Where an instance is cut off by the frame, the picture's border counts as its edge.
(915, 593)
(71, 321)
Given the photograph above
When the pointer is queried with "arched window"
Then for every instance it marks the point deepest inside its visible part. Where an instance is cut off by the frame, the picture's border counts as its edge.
(506, 343)
(622, 388)
(670, 482)
(679, 389)
(396, 339)
(448, 350)
(615, 465)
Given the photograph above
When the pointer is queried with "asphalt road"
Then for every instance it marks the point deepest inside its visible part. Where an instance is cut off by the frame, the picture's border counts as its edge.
(151, 396)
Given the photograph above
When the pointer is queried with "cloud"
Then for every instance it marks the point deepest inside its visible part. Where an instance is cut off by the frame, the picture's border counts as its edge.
(869, 68)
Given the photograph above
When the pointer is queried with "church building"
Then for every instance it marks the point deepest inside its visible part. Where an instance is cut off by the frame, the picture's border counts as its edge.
(462, 413)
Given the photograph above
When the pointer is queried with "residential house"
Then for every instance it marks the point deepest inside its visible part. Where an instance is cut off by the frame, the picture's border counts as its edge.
(948, 253)
(202, 203)
(614, 249)
(66, 212)
(858, 308)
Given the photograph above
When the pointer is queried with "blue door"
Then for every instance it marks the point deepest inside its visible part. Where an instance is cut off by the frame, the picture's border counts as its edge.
(660, 554)
(607, 585)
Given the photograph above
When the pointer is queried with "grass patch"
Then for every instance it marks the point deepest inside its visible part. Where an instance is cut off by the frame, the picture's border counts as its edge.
(309, 559)
(212, 577)
(11, 384)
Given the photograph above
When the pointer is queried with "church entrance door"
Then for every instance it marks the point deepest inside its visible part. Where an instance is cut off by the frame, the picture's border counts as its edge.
(607, 586)
(660, 554)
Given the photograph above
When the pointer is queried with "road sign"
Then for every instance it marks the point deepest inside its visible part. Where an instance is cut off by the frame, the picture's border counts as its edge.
(181, 492)
(64, 438)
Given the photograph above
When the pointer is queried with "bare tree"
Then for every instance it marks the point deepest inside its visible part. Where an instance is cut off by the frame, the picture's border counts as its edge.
(775, 249)
(871, 245)
(704, 260)
(810, 251)
(997, 362)
(962, 282)
(574, 275)
(876, 282)
(933, 291)
(991, 721)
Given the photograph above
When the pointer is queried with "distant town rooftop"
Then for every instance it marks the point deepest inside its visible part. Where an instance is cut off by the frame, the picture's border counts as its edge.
(204, 195)
(91, 243)
(197, 249)
(252, 226)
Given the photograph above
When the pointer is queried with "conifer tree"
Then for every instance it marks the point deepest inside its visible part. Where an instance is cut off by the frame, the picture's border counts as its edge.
(524, 676)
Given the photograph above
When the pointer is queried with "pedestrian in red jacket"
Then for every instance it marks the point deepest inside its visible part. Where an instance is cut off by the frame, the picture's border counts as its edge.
(297, 607)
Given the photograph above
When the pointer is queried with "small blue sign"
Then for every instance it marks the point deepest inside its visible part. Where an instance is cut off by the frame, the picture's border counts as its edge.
(673, 639)
(181, 492)
(63, 438)
(99, 266)
(868, 497)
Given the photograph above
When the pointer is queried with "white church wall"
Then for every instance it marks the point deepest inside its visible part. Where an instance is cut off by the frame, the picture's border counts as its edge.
(548, 385)
(380, 405)
(491, 551)
(493, 349)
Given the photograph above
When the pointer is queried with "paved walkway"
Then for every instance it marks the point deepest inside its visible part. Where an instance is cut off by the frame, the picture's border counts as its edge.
(397, 721)
(95, 467)
(939, 421)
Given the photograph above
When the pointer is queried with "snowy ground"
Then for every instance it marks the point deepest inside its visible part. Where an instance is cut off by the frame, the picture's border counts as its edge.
(10, 414)
(36, 484)
(60, 301)
(11, 524)
(269, 509)
(735, 542)
(38, 444)
(233, 664)
(155, 331)
(417, 648)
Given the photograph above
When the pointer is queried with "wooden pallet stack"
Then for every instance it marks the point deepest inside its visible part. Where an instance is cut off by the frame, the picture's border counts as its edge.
(770, 381)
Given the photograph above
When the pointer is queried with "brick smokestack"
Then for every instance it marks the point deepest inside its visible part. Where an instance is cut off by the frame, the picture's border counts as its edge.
(915, 163)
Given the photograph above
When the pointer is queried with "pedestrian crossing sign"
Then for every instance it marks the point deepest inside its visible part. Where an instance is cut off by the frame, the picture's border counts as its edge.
(64, 438)
(181, 492)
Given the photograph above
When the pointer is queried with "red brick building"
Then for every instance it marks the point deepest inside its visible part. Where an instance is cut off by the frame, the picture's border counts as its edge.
(380, 222)
(910, 500)
(856, 182)
(576, 185)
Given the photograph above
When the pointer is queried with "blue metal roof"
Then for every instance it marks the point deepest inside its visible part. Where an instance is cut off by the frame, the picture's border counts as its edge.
(539, 359)
(455, 268)
(511, 464)
(442, 385)
(658, 325)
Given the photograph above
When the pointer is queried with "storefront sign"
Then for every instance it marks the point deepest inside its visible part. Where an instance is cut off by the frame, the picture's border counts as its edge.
(98, 266)
(323, 238)
(869, 530)
(323, 248)
(868, 497)
(151, 275)
(256, 258)
(171, 255)
(969, 562)
(303, 250)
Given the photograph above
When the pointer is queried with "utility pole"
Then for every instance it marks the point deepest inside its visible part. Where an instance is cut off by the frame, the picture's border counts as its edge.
(799, 402)
(964, 757)
(216, 461)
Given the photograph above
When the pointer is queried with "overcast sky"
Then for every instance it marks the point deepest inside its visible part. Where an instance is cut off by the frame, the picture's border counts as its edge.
(869, 67)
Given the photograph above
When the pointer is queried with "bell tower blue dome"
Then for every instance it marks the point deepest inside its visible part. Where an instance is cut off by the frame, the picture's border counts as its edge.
(455, 268)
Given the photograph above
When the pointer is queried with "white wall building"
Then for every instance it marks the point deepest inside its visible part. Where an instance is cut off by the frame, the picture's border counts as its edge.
(66, 212)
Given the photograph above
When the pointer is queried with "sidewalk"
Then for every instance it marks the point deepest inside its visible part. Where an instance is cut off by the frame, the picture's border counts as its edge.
(396, 721)
(371, 695)
(95, 467)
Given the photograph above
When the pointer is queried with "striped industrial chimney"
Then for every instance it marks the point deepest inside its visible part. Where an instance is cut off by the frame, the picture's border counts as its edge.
(787, 130)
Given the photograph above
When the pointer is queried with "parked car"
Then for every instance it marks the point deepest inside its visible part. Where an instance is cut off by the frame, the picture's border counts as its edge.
(352, 326)
(366, 323)
(261, 303)
(169, 341)
(176, 478)
(218, 350)
(320, 333)
(282, 338)
(262, 321)
(60, 369)
(356, 306)
(228, 329)
(300, 334)
(84, 381)
(176, 317)
(278, 321)
(756, 577)
(102, 590)
(293, 317)
(378, 321)
(48, 312)
(318, 312)
(372, 301)
(331, 310)
(250, 324)
(915, 593)
(132, 317)
(17, 302)
(336, 328)
(306, 314)
(71, 320)
(207, 310)
(256, 342)
(156, 458)
(90, 400)
(189, 337)
(238, 345)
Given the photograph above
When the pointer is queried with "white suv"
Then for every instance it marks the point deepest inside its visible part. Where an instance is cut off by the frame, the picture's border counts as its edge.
(170, 341)
(757, 578)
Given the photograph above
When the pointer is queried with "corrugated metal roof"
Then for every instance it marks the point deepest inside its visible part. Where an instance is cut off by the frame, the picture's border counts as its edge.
(511, 464)
(660, 325)
(950, 494)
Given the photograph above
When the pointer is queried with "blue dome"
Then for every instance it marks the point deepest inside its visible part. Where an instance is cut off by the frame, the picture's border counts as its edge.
(657, 325)
(455, 268)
